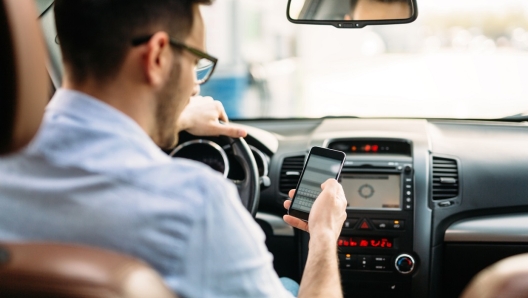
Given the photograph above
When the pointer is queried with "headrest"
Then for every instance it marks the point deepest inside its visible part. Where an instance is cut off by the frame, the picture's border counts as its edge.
(23, 77)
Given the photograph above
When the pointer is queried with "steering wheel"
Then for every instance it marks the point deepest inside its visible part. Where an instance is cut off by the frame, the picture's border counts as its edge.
(249, 188)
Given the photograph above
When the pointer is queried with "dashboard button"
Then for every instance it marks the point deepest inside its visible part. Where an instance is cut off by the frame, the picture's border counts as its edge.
(397, 224)
(350, 223)
(381, 260)
(381, 224)
(364, 225)
(380, 267)
(381, 263)
(348, 261)
(364, 262)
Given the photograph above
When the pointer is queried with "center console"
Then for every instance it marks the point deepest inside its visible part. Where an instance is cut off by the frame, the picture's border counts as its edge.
(376, 242)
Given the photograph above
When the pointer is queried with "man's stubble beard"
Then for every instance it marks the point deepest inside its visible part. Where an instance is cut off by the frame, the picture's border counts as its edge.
(168, 111)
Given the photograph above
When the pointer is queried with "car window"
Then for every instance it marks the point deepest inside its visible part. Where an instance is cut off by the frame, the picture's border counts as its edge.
(460, 59)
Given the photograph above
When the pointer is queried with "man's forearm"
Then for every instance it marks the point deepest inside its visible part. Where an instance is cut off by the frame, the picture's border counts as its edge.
(321, 274)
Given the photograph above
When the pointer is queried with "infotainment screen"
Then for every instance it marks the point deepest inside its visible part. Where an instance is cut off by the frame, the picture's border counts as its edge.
(372, 191)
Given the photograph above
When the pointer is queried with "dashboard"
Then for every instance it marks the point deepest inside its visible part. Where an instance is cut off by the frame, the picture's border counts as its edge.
(430, 202)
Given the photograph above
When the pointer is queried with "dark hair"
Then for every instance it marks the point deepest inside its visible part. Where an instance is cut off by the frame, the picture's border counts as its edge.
(95, 35)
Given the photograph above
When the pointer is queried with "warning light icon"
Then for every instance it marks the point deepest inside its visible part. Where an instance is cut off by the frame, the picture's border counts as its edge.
(364, 225)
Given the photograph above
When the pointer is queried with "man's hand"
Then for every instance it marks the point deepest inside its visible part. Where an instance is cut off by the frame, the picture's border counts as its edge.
(321, 274)
(328, 211)
(202, 117)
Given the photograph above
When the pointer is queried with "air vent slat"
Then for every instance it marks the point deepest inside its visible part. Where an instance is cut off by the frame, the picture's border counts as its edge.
(445, 170)
(288, 180)
(440, 166)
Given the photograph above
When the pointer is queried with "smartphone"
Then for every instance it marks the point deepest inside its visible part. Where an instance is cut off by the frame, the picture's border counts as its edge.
(322, 164)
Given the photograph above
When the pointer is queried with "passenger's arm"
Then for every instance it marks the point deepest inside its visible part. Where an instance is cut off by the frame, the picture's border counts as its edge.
(506, 279)
(202, 117)
(321, 274)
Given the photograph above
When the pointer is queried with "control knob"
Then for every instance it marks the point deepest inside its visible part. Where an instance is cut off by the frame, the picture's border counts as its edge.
(404, 264)
(407, 169)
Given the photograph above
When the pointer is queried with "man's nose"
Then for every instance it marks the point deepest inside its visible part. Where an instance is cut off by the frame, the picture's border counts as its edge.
(196, 90)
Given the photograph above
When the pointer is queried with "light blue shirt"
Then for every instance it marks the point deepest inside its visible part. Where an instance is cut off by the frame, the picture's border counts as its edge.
(93, 176)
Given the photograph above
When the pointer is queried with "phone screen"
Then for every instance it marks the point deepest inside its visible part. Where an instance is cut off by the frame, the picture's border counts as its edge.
(322, 164)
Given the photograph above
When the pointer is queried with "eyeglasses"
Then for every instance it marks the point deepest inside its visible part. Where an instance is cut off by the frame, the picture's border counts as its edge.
(205, 66)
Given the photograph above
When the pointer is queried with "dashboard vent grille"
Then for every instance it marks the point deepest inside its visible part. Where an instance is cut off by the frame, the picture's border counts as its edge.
(290, 173)
(445, 178)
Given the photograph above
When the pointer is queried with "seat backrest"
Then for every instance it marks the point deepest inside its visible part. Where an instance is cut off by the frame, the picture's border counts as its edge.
(46, 269)
(70, 271)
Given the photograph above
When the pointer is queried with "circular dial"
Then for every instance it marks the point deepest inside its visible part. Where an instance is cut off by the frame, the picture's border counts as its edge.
(204, 151)
(404, 264)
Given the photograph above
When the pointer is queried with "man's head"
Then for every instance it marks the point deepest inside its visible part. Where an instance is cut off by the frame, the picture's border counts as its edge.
(379, 10)
(96, 43)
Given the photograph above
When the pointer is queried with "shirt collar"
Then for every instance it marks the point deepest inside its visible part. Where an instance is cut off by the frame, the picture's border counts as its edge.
(94, 111)
(77, 122)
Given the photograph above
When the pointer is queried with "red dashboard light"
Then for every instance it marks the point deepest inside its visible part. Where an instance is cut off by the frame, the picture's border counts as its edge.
(365, 242)
(375, 148)
(368, 148)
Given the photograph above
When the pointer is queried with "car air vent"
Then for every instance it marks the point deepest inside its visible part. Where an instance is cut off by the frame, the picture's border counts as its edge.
(445, 178)
(290, 173)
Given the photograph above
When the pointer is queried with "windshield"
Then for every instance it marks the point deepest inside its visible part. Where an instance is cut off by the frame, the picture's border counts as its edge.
(460, 59)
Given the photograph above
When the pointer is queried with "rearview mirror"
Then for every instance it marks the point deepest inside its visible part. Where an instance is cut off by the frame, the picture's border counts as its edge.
(352, 13)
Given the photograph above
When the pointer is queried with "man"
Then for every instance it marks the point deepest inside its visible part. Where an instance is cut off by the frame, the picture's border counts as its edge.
(379, 10)
(95, 174)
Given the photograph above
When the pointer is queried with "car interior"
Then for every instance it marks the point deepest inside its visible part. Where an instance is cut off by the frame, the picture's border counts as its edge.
(432, 200)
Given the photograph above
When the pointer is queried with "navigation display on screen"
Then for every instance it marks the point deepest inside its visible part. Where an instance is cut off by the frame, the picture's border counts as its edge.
(372, 191)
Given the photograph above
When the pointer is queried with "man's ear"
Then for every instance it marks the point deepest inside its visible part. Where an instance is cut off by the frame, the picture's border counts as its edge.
(157, 60)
